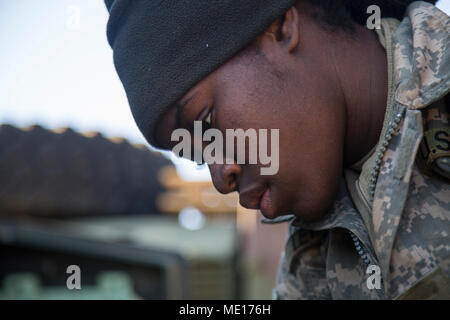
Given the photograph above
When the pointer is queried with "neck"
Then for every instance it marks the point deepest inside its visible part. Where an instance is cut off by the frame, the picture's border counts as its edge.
(364, 82)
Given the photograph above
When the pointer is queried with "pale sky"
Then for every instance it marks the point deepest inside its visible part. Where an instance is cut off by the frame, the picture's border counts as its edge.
(57, 70)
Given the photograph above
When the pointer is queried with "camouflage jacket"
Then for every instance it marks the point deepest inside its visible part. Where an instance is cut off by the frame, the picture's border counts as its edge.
(393, 208)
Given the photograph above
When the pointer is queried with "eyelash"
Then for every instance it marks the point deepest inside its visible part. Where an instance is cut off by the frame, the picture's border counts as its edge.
(207, 120)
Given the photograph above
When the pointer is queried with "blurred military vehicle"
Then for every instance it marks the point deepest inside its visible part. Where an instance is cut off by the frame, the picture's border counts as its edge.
(147, 257)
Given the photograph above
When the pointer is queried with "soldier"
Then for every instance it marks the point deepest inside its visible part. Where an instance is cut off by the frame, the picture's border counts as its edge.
(363, 124)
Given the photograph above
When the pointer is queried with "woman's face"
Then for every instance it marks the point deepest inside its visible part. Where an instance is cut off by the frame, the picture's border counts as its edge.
(249, 92)
(273, 90)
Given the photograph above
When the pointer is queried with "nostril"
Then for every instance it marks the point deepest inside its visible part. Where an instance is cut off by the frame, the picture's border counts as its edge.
(225, 177)
(232, 181)
(231, 174)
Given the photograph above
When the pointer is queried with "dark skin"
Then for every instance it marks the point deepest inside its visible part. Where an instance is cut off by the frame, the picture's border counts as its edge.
(326, 93)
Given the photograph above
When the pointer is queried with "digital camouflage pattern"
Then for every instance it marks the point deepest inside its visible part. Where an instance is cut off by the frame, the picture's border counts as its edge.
(405, 230)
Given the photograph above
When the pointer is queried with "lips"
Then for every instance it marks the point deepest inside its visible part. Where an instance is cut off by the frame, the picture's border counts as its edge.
(258, 198)
(266, 205)
(251, 199)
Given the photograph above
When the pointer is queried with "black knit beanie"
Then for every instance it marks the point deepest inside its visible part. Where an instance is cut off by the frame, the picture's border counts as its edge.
(162, 48)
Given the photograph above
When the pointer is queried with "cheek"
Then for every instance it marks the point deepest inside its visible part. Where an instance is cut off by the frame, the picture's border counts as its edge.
(310, 123)
(247, 107)
(311, 153)
(245, 95)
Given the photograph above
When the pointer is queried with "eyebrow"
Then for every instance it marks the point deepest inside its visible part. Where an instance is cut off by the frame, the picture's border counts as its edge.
(180, 108)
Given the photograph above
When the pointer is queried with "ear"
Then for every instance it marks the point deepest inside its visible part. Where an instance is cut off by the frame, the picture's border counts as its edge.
(285, 30)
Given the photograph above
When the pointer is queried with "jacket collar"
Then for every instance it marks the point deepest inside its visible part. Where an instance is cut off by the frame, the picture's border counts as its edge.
(421, 56)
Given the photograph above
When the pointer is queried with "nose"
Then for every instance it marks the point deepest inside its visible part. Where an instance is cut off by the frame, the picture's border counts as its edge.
(225, 177)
